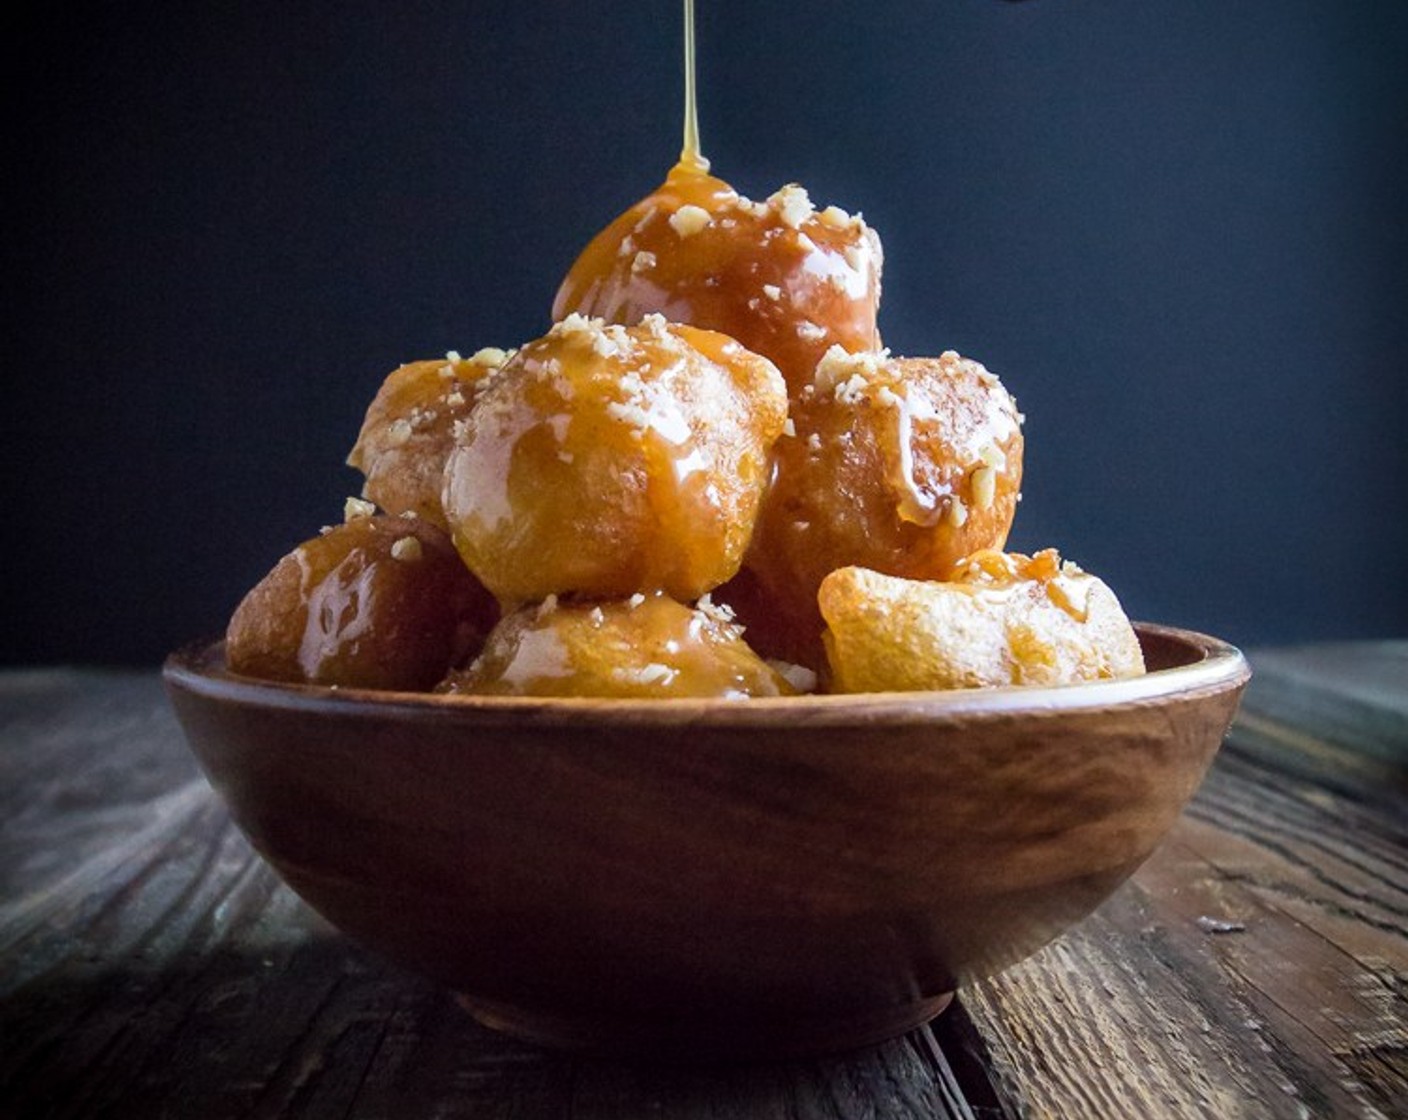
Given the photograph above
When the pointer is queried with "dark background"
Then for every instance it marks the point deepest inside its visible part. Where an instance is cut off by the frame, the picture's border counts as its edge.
(1176, 228)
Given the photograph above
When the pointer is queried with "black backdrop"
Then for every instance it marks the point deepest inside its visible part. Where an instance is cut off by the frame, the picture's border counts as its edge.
(1175, 229)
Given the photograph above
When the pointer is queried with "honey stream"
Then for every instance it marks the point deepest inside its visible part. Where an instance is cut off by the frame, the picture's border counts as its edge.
(690, 155)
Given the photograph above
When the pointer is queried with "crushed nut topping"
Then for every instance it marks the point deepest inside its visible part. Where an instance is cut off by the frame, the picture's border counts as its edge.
(793, 205)
(984, 487)
(689, 220)
(406, 549)
(716, 612)
(837, 366)
(852, 390)
(575, 323)
(657, 325)
(355, 508)
(798, 676)
(991, 456)
(490, 357)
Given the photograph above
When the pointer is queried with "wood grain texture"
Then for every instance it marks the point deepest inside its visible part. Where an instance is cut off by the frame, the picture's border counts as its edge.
(1257, 965)
(1347, 696)
(152, 966)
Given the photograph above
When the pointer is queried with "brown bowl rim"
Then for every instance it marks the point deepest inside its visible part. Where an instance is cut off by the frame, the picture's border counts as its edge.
(1215, 666)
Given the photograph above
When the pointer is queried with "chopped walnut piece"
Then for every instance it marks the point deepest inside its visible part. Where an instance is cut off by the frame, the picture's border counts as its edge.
(406, 549)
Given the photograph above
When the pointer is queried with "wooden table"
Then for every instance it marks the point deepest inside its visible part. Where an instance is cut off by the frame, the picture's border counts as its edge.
(1257, 966)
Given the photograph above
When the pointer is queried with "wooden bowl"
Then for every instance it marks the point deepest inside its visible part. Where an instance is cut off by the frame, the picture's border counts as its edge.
(710, 877)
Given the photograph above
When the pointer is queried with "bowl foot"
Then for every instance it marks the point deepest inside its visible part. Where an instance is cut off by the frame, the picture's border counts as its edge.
(699, 1038)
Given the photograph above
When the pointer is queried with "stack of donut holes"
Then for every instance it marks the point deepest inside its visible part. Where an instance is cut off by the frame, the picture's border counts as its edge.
(707, 479)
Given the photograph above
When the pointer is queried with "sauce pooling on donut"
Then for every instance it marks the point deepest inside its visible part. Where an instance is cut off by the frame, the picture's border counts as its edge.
(608, 460)
(648, 647)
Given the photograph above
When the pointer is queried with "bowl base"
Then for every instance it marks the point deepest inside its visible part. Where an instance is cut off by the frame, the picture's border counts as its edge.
(692, 1038)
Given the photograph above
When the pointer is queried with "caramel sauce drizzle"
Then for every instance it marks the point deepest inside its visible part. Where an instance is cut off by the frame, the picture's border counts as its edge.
(690, 155)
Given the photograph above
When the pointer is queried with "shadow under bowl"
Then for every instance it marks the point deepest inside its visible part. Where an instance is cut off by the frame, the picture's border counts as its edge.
(710, 878)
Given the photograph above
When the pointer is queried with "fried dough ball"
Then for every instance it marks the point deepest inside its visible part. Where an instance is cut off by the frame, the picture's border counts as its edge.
(902, 465)
(647, 648)
(1002, 619)
(605, 461)
(407, 434)
(785, 280)
(377, 602)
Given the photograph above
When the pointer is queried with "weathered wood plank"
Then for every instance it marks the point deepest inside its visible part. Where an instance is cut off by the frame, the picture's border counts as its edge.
(1352, 695)
(1110, 1023)
(1257, 966)
(148, 960)
(895, 1079)
(153, 965)
(1336, 716)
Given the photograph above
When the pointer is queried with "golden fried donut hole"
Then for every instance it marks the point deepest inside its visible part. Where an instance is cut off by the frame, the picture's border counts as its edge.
(407, 434)
(1000, 619)
(377, 602)
(609, 460)
(902, 465)
(647, 648)
(782, 278)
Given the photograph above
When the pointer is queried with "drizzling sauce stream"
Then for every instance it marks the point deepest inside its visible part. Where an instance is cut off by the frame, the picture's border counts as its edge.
(690, 155)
